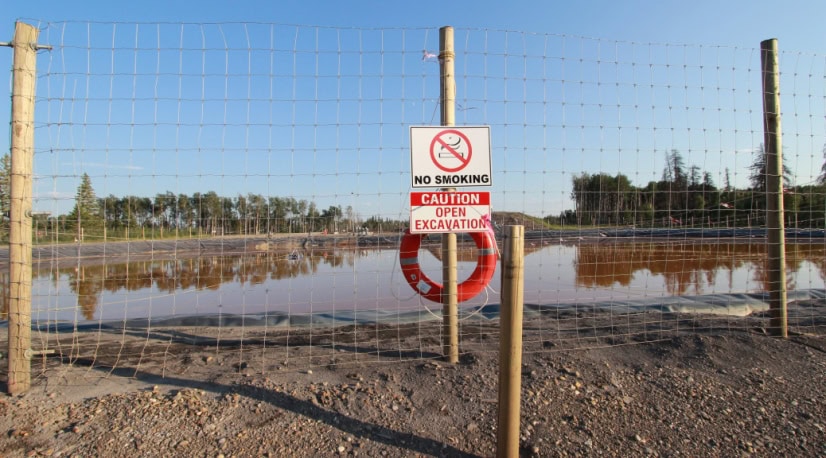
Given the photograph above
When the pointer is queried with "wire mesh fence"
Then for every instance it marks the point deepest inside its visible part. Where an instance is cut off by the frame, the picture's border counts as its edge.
(243, 188)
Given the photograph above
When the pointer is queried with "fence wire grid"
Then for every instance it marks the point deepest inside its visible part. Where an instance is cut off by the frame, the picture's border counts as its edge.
(243, 188)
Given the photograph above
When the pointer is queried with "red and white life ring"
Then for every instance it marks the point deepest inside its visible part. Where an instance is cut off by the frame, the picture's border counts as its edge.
(479, 278)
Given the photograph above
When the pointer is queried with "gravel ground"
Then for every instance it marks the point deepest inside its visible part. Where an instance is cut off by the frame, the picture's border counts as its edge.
(723, 389)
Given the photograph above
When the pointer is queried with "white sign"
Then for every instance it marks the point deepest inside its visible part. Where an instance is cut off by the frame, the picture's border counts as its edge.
(447, 157)
(439, 212)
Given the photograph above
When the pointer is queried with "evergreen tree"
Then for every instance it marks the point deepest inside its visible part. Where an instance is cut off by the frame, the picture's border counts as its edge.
(822, 178)
(5, 184)
(759, 173)
(5, 194)
(87, 212)
(674, 184)
(674, 171)
(727, 181)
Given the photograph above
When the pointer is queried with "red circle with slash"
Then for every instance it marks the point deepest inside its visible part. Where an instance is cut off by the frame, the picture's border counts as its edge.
(450, 151)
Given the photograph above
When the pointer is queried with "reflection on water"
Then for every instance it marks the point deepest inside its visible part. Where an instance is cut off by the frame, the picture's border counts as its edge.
(206, 273)
(370, 279)
(688, 267)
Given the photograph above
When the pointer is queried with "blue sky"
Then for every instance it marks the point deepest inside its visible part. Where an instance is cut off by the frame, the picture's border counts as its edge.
(314, 99)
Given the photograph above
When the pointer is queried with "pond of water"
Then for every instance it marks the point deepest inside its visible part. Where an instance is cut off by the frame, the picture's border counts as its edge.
(359, 279)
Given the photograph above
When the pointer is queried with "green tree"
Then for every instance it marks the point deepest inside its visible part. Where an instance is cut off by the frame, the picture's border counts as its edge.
(242, 209)
(184, 210)
(313, 216)
(822, 178)
(727, 181)
(258, 210)
(759, 184)
(5, 183)
(5, 194)
(602, 198)
(86, 216)
(162, 208)
(112, 211)
(210, 210)
(229, 219)
(277, 217)
(331, 216)
(674, 171)
(759, 172)
(675, 183)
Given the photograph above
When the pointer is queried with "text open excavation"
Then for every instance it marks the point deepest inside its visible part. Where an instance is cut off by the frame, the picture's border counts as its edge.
(439, 212)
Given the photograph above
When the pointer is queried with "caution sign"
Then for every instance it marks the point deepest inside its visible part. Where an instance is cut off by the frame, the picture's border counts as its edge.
(450, 156)
(439, 212)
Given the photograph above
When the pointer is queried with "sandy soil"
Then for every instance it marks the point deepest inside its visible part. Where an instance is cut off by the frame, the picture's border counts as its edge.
(651, 385)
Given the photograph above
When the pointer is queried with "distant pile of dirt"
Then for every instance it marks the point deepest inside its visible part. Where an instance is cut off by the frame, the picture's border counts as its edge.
(531, 223)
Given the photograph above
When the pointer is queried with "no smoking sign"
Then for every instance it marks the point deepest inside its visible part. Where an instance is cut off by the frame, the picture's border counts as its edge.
(450, 156)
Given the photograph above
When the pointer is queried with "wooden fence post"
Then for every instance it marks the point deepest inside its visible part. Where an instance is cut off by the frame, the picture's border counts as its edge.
(510, 343)
(774, 188)
(450, 293)
(20, 225)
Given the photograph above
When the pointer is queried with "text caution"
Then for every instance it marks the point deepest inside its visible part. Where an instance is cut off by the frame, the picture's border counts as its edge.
(440, 212)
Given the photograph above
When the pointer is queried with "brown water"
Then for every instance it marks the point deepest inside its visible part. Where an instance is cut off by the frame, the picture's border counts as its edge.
(370, 279)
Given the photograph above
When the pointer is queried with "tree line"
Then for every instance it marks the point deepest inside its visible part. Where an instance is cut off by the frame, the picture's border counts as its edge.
(687, 196)
(684, 196)
(211, 214)
(168, 214)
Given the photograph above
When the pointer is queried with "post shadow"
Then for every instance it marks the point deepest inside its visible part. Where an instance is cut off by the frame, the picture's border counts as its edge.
(353, 426)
